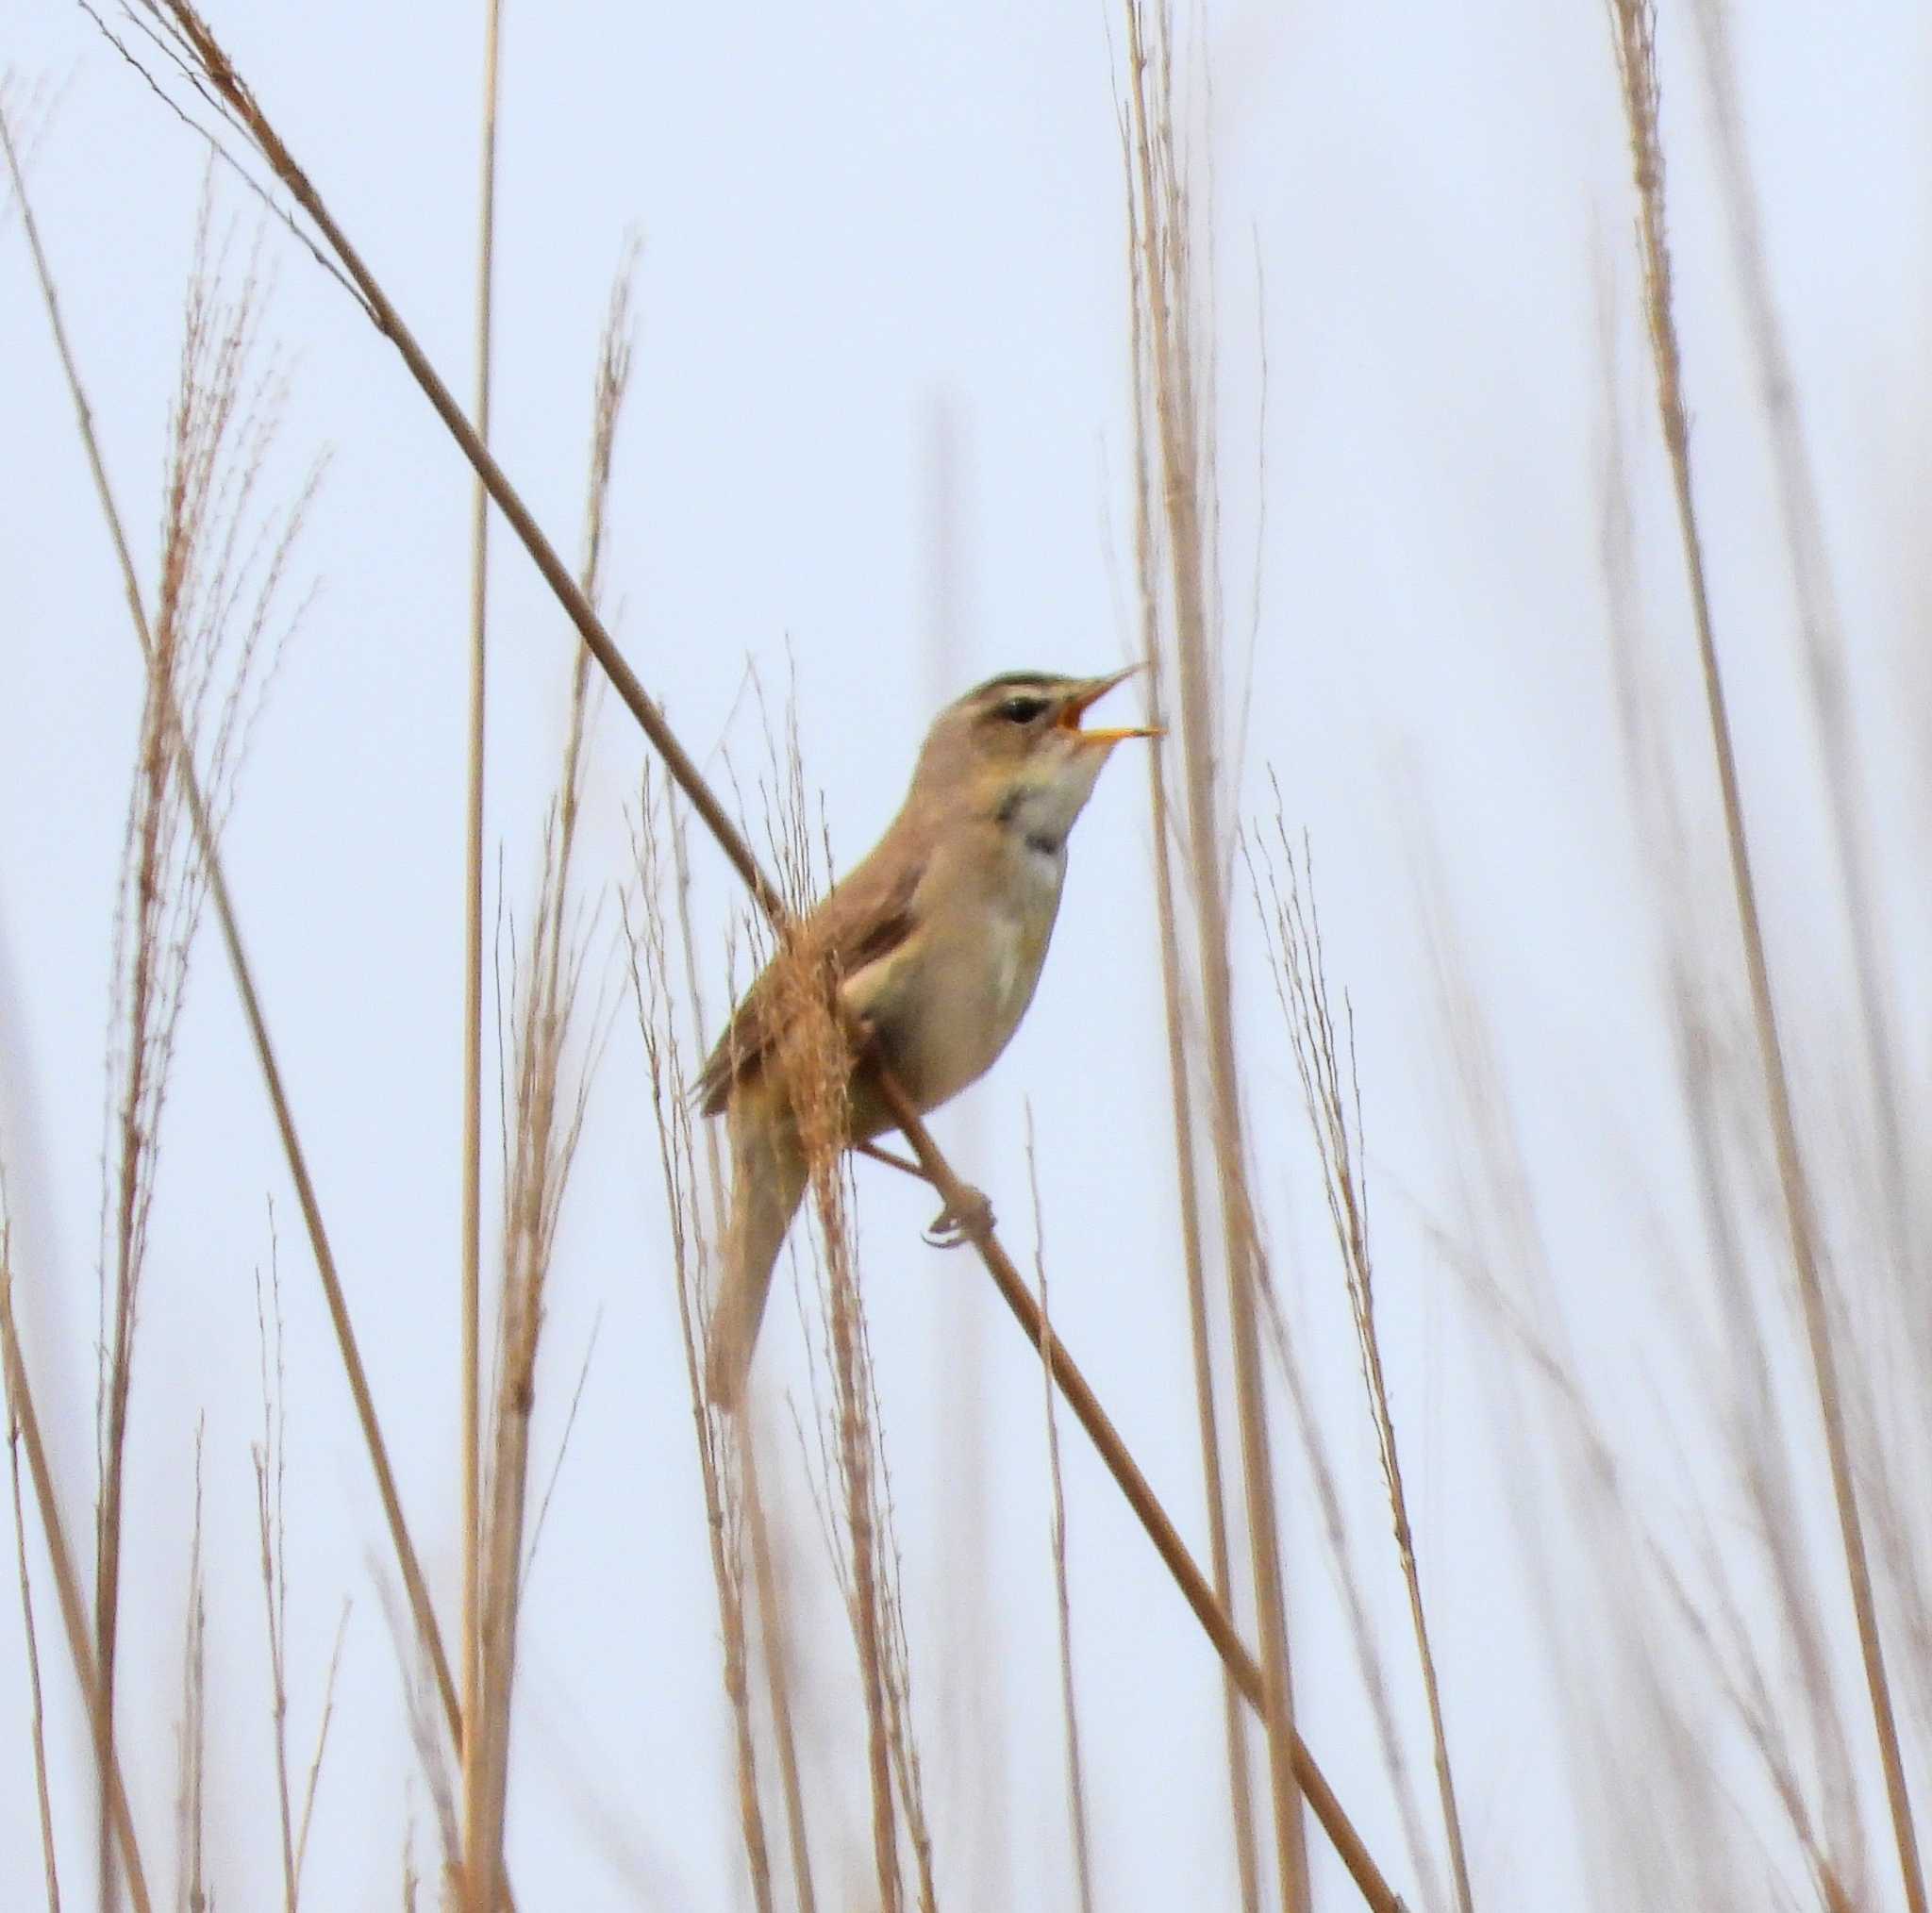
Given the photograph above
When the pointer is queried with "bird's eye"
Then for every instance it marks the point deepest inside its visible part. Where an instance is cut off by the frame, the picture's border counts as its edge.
(1021, 710)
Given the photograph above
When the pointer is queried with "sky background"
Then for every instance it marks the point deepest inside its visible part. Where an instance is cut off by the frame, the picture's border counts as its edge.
(878, 243)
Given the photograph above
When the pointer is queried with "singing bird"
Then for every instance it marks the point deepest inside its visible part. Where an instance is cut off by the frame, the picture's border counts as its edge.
(934, 942)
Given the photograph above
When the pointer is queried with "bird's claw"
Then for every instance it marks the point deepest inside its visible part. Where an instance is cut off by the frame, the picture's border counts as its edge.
(956, 1224)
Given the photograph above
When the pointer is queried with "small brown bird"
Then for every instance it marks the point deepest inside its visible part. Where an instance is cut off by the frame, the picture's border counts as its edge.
(936, 942)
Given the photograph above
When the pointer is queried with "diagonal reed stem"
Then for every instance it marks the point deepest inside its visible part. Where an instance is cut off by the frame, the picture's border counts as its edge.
(218, 73)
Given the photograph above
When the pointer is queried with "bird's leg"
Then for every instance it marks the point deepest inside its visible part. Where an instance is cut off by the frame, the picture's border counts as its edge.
(952, 1227)
(903, 1163)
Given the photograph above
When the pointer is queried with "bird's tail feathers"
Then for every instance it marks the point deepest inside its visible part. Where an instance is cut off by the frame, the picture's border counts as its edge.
(768, 1184)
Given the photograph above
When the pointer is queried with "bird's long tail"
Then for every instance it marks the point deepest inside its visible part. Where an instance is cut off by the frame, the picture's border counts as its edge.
(768, 1178)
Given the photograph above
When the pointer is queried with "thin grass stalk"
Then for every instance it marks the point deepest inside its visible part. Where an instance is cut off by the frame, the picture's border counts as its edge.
(22, 1417)
(1301, 974)
(36, 1720)
(777, 1659)
(1363, 1638)
(1057, 1537)
(416, 1587)
(907, 1769)
(546, 1134)
(820, 1106)
(1761, 1443)
(145, 881)
(855, 1452)
(329, 1711)
(650, 987)
(159, 901)
(969, 1666)
(269, 1480)
(192, 1890)
(1180, 1096)
(206, 56)
(852, 1455)
(470, 1251)
(1164, 282)
(1633, 23)
(1819, 627)
(770, 1594)
(858, 1479)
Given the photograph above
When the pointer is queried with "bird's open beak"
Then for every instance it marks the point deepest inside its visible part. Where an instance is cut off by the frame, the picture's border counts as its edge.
(1089, 694)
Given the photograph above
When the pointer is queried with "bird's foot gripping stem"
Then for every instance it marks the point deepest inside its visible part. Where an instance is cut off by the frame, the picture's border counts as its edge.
(960, 1222)
(956, 1224)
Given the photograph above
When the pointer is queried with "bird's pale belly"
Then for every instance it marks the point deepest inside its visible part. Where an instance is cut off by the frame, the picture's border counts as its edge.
(973, 994)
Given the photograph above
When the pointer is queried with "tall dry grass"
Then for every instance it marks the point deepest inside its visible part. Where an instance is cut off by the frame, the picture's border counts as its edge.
(825, 1731)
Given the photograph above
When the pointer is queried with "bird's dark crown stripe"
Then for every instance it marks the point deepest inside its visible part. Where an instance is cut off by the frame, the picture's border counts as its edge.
(1017, 680)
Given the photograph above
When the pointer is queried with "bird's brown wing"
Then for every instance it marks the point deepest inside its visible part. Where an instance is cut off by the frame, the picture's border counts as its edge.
(865, 917)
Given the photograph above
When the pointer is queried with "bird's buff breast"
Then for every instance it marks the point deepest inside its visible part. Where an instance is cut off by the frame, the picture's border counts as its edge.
(943, 1023)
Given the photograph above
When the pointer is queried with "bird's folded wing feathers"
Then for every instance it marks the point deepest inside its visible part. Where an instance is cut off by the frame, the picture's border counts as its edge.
(862, 918)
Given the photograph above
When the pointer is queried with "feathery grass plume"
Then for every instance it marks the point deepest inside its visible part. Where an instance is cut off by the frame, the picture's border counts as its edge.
(546, 1108)
(201, 819)
(218, 628)
(855, 1479)
(690, 1239)
(1291, 930)
(728, 1450)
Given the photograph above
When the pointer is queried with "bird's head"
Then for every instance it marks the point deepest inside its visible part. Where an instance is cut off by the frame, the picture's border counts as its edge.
(1013, 749)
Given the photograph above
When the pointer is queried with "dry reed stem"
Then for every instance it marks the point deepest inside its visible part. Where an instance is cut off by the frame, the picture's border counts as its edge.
(192, 1888)
(470, 1303)
(322, 1728)
(741, 1453)
(546, 1131)
(1760, 1440)
(818, 1070)
(1161, 280)
(863, 1543)
(690, 1252)
(221, 566)
(1296, 958)
(416, 1587)
(22, 1418)
(270, 1477)
(36, 1718)
(1370, 1664)
(1056, 1540)
(1180, 1096)
(777, 1648)
(1634, 31)
(1821, 632)
(204, 54)
(269, 1457)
